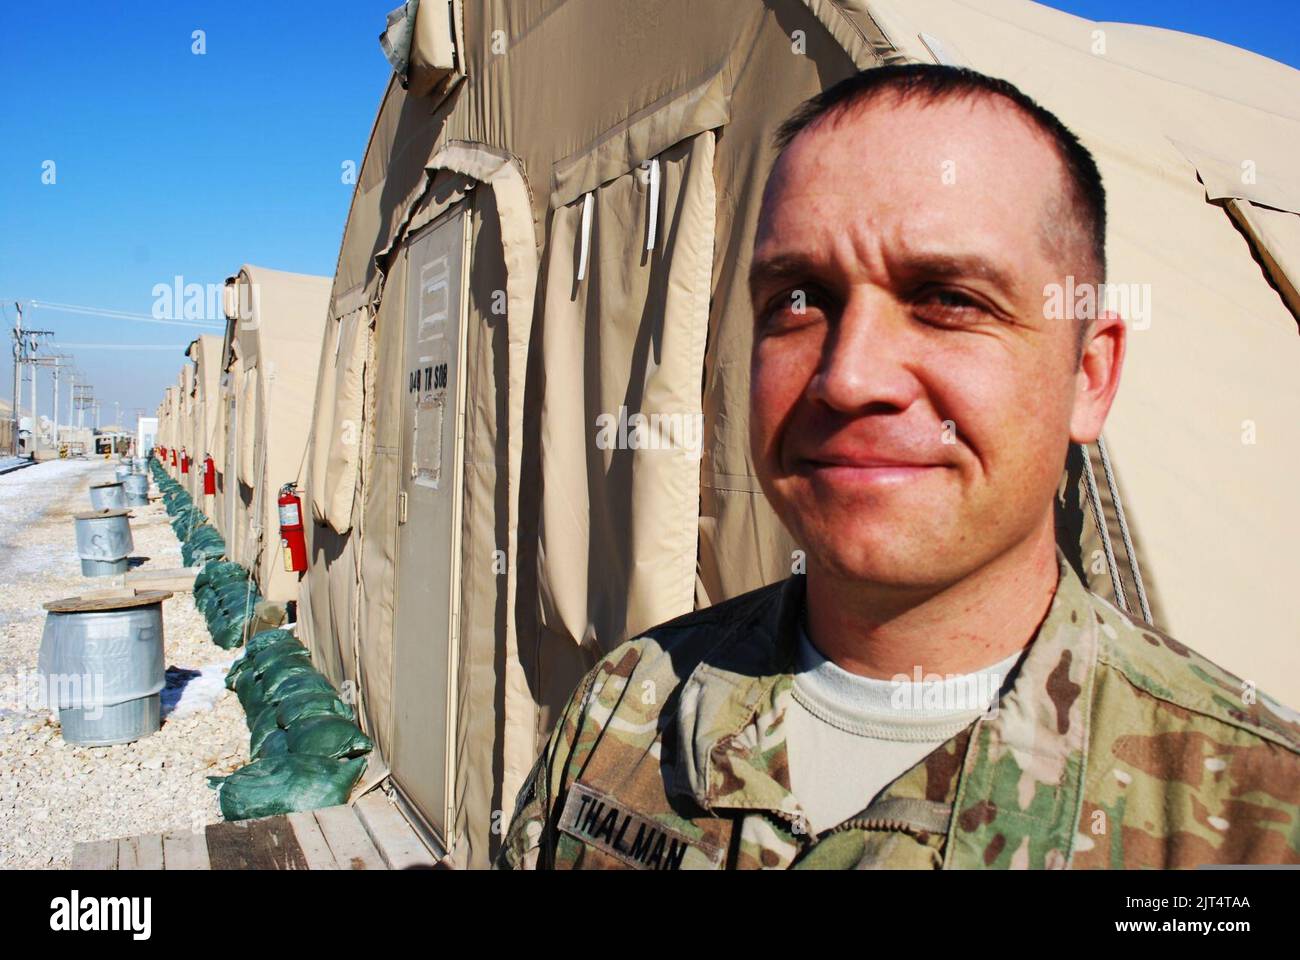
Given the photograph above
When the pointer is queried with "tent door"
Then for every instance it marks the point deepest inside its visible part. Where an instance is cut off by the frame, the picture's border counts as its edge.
(230, 476)
(428, 542)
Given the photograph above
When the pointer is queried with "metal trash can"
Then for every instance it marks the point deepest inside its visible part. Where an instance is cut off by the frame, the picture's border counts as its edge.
(137, 490)
(101, 666)
(104, 542)
(122, 472)
(107, 496)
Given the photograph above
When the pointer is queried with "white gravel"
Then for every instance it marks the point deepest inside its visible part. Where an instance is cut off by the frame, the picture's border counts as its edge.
(53, 794)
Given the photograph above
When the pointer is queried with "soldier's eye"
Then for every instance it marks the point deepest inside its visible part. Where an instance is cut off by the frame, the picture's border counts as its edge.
(794, 307)
(947, 306)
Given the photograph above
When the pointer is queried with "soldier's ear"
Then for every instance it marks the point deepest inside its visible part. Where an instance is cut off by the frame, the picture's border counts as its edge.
(1097, 379)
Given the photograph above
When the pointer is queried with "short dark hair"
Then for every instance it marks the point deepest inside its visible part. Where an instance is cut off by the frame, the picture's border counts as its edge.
(929, 82)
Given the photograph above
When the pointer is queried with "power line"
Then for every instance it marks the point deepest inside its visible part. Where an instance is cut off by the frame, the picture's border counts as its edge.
(126, 346)
(122, 315)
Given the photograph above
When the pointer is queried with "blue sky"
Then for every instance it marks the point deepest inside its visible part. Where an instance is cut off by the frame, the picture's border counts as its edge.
(170, 163)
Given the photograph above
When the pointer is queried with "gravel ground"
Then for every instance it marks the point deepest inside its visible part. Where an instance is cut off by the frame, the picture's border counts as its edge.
(52, 794)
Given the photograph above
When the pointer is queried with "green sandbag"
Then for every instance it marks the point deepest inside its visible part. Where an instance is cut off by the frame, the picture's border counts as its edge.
(277, 656)
(207, 602)
(230, 635)
(301, 683)
(275, 745)
(260, 729)
(259, 657)
(275, 785)
(254, 713)
(292, 709)
(216, 572)
(279, 673)
(237, 669)
(260, 662)
(266, 638)
(211, 603)
(230, 595)
(248, 688)
(327, 737)
(278, 651)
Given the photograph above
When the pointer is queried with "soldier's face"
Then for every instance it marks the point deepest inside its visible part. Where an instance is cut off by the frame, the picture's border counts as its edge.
(911, 406)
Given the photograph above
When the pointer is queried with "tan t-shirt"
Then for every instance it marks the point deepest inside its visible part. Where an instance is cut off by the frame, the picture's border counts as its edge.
(849, 736)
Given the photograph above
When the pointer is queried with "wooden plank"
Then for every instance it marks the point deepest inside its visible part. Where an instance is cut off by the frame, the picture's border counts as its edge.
(352, 847)
(185, 851)
(314, 846)
(145, 577)
(95, 855)
(177, 584)
(281, 845)
(140, 853)
(267, 844)
(127, 854)
(149, 519)
(91, 604)
(396, 840)
(149, 852)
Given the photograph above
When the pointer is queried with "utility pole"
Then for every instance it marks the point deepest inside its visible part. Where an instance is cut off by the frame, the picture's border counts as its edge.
(35, 423)
(56, 401)
(61, 361)
(83, 398)
(53, 361)
(26, 346)
(18, 366)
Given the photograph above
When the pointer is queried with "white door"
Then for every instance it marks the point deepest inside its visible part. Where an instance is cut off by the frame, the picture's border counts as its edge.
(429, 508)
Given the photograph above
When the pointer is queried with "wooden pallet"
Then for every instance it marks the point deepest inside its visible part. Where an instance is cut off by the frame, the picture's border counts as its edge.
(173, 579)
(176, 579)
(369, 835)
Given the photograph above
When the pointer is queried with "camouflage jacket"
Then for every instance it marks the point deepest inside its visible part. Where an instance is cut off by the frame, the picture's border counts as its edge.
(1115, 746)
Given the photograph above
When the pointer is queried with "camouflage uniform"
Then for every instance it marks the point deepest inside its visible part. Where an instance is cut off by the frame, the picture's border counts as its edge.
(1115, 747)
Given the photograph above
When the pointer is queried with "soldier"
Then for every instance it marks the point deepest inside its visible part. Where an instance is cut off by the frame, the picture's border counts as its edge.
(939, 689)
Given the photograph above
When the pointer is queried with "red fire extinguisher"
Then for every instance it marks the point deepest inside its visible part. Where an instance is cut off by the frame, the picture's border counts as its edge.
(185, 461)
(292, 541)
(173, 456)
(209, 475)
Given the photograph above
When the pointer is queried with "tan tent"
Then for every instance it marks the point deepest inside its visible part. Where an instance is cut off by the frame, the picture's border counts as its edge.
(184, 419)
(170, 396)
(226, 499)
(174, 428)
(204, 400)
(165, 421)
(272, 347)
(553, 225)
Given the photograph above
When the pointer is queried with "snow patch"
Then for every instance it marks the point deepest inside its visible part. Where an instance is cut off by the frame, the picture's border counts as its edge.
(190, 691)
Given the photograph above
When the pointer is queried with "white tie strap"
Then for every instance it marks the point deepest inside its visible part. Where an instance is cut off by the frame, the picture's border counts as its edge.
(585, 248)
(653, 167)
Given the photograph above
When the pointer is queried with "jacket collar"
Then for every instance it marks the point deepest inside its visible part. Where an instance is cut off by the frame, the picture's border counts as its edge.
(1023, 773)
(1021, 789)
(731, 742)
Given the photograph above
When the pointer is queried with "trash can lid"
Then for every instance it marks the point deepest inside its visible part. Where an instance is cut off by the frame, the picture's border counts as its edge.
(106, 512)
(142, 598)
